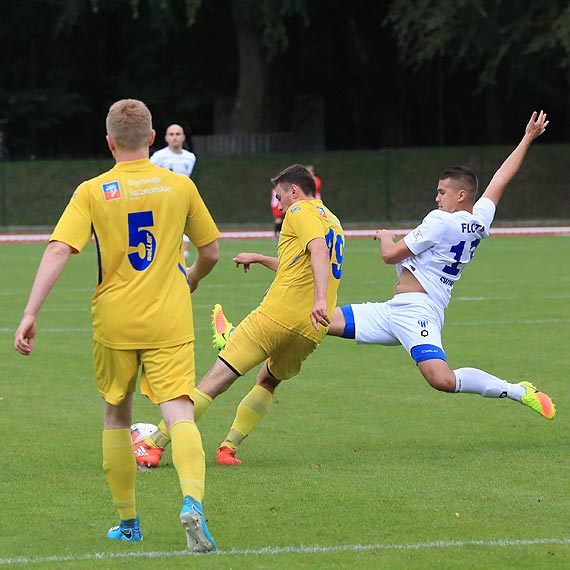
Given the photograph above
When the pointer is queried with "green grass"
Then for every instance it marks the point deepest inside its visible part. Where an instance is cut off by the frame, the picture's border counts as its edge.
(357, 450)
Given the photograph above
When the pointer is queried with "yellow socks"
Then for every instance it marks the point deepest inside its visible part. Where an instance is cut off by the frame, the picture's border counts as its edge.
(201, 404)
(188, 458)
(249, 413)
(120, 470)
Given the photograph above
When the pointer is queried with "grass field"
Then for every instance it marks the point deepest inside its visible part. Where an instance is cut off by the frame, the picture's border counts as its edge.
(359, 464)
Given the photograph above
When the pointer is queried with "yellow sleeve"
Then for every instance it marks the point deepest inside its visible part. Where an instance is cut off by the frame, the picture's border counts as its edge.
(200, 226)
(74, 226)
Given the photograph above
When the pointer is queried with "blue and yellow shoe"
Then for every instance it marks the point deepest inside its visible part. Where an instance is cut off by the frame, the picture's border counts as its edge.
(221, 327)
(128, 530)
(198, 537)
(538, 401)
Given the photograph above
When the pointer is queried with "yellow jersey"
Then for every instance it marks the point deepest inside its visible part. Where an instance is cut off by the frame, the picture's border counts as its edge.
(290, 298)
(137, 213)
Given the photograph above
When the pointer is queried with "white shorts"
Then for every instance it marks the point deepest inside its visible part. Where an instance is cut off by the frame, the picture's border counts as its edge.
(410, 319)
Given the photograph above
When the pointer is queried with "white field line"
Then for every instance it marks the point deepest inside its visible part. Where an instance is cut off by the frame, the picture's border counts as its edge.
(269, 550)
(363, 233)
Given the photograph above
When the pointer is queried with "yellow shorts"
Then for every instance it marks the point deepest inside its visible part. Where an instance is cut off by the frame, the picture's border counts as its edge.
(258, 338)
(168, 372)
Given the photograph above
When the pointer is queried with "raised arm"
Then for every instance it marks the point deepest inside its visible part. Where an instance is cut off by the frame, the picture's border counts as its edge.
(535, 127)
(246, 259)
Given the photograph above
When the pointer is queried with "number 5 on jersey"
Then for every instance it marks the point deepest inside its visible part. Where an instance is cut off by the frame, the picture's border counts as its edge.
(137, 236)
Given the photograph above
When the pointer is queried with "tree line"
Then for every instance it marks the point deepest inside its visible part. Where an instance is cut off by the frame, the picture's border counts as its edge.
(370, 73)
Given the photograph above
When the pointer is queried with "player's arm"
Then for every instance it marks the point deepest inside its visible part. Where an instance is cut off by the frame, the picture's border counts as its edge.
(535, 127)
(247, 259)
(51, 266)
(392, 252)
(320, 266)
(207, 257)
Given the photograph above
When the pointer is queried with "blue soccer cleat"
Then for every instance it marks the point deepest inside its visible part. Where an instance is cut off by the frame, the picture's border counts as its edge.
(128, 530)
(198, 537)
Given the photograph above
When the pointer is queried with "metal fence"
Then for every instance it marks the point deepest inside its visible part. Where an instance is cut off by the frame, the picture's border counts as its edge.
(245, 144)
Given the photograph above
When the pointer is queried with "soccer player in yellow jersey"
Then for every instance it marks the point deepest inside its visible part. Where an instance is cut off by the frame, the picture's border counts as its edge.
(293, 316)
(142, 312)
(291, 320)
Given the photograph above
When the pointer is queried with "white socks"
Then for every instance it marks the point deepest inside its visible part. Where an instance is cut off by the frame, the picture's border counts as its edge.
(475, 381)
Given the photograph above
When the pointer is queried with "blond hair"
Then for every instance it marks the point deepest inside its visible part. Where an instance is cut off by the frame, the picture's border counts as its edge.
(129, 124)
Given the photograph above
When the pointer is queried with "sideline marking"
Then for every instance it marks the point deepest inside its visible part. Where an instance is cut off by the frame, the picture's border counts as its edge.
(292, 550)
(365, 233)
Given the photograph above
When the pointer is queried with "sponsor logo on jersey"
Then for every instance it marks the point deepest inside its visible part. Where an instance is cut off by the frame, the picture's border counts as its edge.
(321, 211)
(294, 209)
(423, 323)
(111, 191)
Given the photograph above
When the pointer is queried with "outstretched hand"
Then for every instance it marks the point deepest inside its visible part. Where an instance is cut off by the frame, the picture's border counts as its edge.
(536, 125)
(245, 259)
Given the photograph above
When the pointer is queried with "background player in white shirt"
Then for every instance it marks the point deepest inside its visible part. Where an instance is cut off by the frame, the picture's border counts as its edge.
(429, 260)
(176, 158)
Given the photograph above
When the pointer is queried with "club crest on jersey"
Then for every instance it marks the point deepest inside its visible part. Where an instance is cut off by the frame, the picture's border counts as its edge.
(111, 191)
(321, 211)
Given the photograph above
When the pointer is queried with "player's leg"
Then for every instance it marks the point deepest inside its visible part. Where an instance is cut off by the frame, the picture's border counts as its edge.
(189, 462)
(116, 373)
(169, 382)
(475, 381)
(120, 469)
(250, 412)
(338, 326)
(287, 351)
(277, 225)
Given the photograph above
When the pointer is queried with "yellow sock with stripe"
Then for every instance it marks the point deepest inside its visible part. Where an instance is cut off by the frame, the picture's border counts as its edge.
(201, 404)
(188, 458)
(249, 413)
(120, 470)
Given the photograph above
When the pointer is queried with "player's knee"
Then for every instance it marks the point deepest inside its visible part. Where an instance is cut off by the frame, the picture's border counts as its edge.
(432, 363)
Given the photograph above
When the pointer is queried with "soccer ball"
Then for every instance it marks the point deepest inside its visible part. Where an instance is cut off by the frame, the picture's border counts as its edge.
(141, 430)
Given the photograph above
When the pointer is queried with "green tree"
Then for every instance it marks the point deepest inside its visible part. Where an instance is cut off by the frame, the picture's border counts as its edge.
(495, 39)
(260, 29)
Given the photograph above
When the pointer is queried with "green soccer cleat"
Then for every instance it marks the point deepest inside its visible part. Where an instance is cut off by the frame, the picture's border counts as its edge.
(538, 401)
(221, 328)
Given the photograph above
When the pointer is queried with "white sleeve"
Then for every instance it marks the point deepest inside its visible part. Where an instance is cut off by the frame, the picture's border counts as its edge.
(427, 234)
(484, 209)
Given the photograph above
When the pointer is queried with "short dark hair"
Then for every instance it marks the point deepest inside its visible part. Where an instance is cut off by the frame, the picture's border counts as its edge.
(299, 175)
(464, 178)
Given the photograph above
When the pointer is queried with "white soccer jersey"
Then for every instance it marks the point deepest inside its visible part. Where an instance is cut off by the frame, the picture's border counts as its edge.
(183, 162)
(443, 244)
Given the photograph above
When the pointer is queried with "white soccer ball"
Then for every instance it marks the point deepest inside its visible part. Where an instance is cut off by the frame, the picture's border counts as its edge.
(141, 430)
